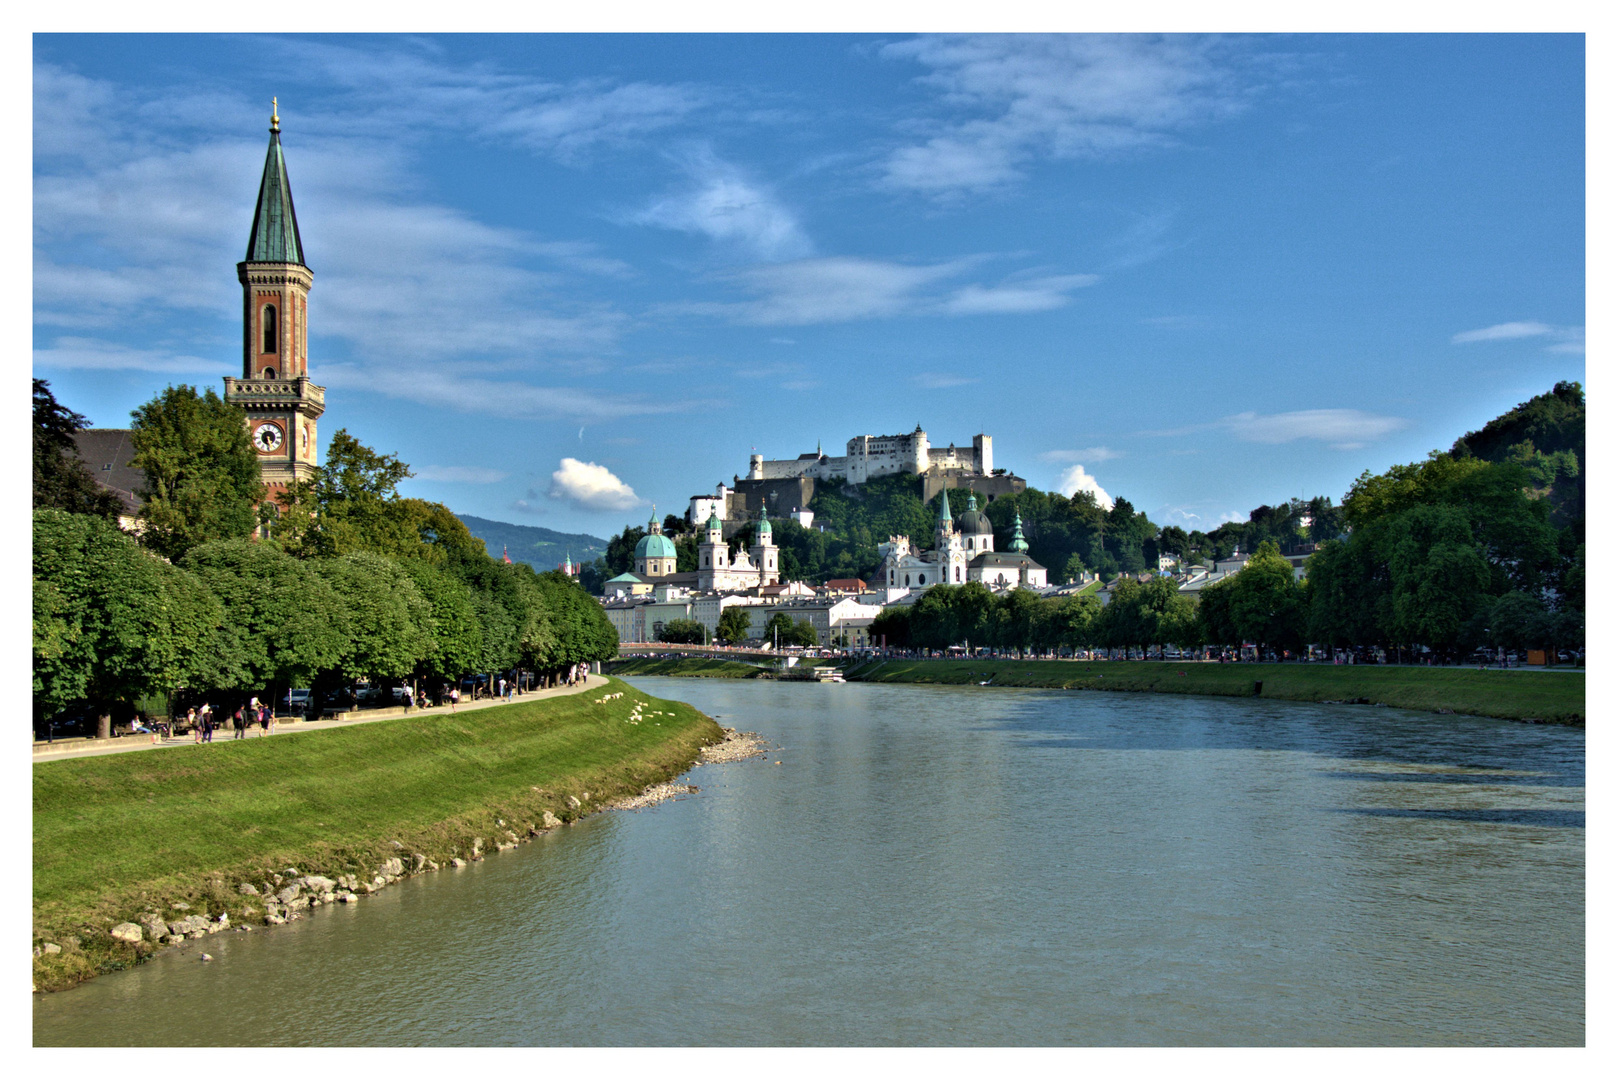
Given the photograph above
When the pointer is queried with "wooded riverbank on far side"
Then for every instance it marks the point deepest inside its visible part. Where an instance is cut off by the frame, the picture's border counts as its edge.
(1551, 697)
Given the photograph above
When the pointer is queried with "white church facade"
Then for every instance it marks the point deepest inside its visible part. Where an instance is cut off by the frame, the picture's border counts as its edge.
(963, 551)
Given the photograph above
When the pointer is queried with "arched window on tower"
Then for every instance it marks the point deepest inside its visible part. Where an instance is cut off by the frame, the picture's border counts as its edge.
(269, 373)
(272, 342)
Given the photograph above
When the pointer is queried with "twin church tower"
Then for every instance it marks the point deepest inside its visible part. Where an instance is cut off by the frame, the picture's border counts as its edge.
(274, 391)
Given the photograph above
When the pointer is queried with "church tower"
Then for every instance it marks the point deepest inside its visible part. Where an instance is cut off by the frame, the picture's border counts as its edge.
(765, 554)
(280, 402)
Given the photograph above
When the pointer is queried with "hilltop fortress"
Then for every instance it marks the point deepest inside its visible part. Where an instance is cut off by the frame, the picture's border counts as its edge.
(784, 487)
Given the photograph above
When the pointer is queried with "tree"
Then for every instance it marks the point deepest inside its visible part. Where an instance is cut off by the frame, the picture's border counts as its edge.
(683, 632)
(283, 623)
(778, 630)
(579, 629)
(803, 633)
(1265, 601)
(891, 628)
(116, 623)
(388, 622)
(735, 625)
(61, 480)
(456, 641)
(202, 476)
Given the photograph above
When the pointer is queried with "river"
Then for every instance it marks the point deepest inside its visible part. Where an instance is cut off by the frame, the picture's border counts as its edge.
(959, 866)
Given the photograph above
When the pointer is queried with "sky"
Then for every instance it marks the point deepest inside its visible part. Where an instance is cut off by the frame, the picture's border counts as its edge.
(566, 277)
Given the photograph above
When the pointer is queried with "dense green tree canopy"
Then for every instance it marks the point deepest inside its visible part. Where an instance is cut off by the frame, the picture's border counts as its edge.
(734, 625)
(283, 623)
(202, 478)
(115, 621)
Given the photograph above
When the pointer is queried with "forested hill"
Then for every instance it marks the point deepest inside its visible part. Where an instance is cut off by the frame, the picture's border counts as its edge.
(1545, 435)
(543, 549)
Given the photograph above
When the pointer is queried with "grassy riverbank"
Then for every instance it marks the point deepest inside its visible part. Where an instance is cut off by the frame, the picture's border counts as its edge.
(126, 834)
(1547, 696)
(696, 667)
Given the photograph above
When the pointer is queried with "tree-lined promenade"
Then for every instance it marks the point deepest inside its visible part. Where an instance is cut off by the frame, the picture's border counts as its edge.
(223, 594)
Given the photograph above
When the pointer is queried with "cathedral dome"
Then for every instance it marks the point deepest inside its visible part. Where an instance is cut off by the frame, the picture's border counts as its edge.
(974, 522)
(654, 546)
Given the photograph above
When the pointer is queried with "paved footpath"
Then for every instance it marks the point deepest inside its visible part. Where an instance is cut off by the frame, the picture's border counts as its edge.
(226, 734)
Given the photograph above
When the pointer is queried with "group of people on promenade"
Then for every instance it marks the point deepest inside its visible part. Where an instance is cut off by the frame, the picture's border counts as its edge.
(203, 721)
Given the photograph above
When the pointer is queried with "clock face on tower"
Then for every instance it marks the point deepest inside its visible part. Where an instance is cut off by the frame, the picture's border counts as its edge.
(267, 438)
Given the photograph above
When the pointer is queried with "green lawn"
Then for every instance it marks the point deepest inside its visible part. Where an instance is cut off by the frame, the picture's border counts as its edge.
(1551, 696)
(123, 833)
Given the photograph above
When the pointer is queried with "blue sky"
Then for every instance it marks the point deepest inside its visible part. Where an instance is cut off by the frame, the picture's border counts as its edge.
(567, 276)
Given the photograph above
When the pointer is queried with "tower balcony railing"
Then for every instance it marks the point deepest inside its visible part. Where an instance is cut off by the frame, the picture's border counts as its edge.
(272, 390)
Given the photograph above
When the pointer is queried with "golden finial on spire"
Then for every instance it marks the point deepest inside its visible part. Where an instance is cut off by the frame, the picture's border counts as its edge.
(275, 114)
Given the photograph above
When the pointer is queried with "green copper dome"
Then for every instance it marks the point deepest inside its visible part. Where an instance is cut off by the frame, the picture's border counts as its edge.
(713, 521)
(654, 546)
(764, 528)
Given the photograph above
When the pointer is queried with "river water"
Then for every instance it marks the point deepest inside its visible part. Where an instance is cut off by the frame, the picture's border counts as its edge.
(960, 866)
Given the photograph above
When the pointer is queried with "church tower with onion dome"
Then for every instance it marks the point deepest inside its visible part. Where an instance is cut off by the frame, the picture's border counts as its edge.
(274, 391)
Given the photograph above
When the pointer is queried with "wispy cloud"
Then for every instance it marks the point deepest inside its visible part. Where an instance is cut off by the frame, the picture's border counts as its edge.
(732, 209)
(1345, 429)
(1090, 453)
(1016, 298)
(849, 288)
(1342, 429)
(941, 380)
(506, 398)
(1564, 339)
(459, 474)
(591, 487)
(1075, 480)
(86, 354)
(1014, 99)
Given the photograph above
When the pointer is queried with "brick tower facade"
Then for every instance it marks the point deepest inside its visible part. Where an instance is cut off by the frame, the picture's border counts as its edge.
(274, 391)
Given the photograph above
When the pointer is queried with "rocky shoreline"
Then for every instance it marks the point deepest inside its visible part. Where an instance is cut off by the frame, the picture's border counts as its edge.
(278, 898)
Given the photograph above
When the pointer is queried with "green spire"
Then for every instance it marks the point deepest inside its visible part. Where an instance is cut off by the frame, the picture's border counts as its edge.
(943, 509)
(1018, 544)
(274, 237)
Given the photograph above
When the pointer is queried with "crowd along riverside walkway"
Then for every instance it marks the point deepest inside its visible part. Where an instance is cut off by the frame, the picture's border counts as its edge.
(76, 748)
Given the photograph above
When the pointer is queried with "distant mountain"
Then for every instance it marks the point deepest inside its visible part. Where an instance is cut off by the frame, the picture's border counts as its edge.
(543, 549)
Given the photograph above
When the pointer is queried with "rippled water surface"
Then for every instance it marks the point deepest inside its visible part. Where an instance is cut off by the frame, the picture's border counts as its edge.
(931, 865)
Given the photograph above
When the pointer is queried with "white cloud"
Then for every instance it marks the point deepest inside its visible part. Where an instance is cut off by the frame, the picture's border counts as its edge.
(846, 288)
(727, 207)
(1565, 339)
(591, 486)
(506, 398)
(1039, 294)
(1018, 98)
(1091, 453)
(836, 289)
(86, 354)
(459, 474)
(941, 380)
(1345, 428)
(1075, 480)
(1503, 332)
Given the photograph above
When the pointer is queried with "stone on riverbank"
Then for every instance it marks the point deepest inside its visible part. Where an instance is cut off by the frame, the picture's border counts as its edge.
(550, 820)
(247, 889)
(126, 931)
